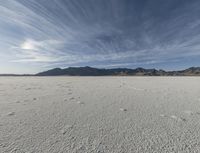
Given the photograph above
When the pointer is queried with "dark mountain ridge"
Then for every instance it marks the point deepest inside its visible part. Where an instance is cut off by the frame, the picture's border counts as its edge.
(90, 71)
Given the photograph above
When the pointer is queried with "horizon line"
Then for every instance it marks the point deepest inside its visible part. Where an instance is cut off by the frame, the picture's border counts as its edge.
(33, 74)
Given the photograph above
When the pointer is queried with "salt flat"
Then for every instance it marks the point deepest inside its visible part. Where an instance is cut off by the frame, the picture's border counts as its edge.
(99, 114)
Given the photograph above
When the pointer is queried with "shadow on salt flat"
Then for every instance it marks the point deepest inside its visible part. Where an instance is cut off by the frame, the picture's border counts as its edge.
(66, 128)
(11, 114)
(189, 113)
(123, 109)
(177, 118)
(72, 98)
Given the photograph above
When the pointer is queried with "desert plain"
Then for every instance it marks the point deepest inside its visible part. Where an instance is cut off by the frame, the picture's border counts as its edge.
(99, 114)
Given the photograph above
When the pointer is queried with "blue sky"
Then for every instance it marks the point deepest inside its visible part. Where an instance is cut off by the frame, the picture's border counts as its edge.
(37, 35)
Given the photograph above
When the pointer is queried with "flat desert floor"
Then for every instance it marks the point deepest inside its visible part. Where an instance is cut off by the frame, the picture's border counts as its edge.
(99, 114)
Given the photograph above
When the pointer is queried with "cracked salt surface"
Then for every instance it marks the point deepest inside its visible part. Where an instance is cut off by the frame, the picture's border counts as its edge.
(120, 114)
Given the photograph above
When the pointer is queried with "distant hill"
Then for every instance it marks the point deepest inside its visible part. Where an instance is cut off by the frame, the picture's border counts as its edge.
(90, 71)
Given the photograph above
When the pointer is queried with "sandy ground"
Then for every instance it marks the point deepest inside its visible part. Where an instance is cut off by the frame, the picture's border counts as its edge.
(99, 114)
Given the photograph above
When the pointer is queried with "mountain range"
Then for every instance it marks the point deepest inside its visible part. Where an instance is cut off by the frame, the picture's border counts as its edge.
(90, 71)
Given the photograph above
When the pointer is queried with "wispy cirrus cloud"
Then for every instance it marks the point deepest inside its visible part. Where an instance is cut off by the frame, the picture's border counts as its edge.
(99, 33)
